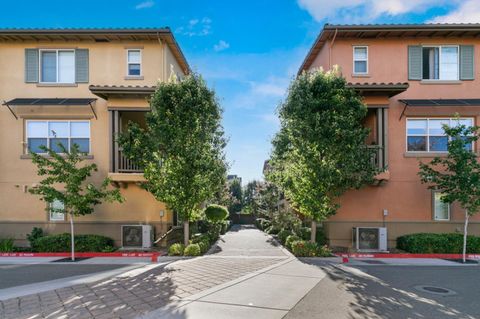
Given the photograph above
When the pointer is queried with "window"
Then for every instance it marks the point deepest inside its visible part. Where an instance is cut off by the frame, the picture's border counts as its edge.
(440, 63)
(57, 66)
(51, 133)
(134, 62)
(426, 135)
(56, 211)
(360, 60)
(441, 210)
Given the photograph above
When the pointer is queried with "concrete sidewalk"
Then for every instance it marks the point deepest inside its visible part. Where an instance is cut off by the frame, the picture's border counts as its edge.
(267, 293)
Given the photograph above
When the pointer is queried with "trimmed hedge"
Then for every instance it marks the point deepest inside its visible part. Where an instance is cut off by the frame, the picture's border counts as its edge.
(427, 243)
(216, 213)
(192, 250)
(176, 250)
(83, 243)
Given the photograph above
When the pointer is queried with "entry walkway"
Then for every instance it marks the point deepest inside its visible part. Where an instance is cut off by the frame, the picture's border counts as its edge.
(243, 251)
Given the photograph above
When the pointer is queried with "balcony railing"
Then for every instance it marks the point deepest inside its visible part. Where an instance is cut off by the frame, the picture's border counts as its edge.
(378, 156)
(126, 165)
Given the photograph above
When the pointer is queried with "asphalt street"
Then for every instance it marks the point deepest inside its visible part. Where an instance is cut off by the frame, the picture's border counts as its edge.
(392, 292)
(17, 275)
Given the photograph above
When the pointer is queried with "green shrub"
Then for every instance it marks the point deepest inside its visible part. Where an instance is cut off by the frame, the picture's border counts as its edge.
(283, 234)
(203, 240)
(320, 238)
(301, 248)
(35, 234)
(265, 224)
(428, 243)
(83, 243)
(224, 227)
(258, 223)
(192, 250)
(216, 213)
(6, 245)
(290, 239)
(176, 249)
(272, 230)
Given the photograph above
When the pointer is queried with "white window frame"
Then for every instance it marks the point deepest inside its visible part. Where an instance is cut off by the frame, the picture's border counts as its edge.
(428, 133)
(69, 130)
(51, 214)
(56, 53)
(433, 209)
(140, 62)
(440, 61)
(360, 60)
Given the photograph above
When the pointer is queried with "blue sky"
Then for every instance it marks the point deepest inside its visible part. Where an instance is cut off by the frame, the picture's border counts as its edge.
(247, 50)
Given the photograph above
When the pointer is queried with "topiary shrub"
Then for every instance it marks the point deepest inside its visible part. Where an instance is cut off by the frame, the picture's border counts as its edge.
(83, 243)
(428, 243)
(192, 250)
(290, 239)
(176, 249)
(283, 234)
(216, 213)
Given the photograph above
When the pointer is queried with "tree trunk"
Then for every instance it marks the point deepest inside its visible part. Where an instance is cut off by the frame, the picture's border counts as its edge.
(313, 232)
(72, 238)
(186, 233)
(465, 227)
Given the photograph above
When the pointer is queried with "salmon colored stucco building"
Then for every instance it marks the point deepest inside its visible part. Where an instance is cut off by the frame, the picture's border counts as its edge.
(413, 78)
(79, 86)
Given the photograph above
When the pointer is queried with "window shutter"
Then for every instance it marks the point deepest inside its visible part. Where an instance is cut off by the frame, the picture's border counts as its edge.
(466, 62)
(31, 65)
(81, 66)
(414, 62)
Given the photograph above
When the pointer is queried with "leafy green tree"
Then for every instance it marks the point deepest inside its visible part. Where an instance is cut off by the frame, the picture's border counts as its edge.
(66, 182)
(236, 196)
(320, 152)
(181, 149)
(250, 195)
(457, 176)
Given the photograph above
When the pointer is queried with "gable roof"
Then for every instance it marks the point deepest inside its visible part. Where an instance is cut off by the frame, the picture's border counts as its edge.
(369, 31)
(98, 35)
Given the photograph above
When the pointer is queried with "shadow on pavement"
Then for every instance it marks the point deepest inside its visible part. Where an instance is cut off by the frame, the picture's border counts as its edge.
(384, 292)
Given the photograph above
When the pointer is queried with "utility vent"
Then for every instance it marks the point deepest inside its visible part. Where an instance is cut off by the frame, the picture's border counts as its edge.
(370, 239)
(102, 40)
(137, 236)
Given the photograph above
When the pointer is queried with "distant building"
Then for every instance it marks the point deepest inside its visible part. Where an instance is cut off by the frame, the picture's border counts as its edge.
(231, 178)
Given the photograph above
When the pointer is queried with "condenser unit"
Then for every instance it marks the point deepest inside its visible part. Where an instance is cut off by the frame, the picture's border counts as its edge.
(370, 239)
(137, 236)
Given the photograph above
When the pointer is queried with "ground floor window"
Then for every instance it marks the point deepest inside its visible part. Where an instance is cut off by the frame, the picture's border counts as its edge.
(441, 210)
(56, 211)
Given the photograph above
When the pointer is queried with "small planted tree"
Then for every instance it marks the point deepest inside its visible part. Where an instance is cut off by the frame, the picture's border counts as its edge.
(181, 149)
(320, 152)
(457, 176)
(66, 182)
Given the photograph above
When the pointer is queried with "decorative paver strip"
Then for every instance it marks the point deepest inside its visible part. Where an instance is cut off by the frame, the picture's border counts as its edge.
(130, 296)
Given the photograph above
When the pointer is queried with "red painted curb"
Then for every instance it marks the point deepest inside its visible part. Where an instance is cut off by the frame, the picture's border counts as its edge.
(67, 254)
(385, 255)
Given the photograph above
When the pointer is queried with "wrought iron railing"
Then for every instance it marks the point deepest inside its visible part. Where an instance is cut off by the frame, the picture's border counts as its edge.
(378, 156)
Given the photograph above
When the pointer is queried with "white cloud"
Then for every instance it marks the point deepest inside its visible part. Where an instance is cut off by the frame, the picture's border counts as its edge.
(467, 12)
(364, 9)
(196, 27)
(221, 45)
(145, 4)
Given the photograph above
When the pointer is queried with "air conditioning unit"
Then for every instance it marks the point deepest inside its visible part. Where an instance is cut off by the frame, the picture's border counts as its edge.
(137, 236)
(370, 239)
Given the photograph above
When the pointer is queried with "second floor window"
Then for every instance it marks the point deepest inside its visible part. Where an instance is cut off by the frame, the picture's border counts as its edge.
(57, 66)
(134, 62)
(360, 60)
(440, 63)
(51, 133)
(427, 135)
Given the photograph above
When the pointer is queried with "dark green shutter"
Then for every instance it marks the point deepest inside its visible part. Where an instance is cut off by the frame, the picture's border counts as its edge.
(414, 62)
(31, 65)
(81, 65)
(467, 71)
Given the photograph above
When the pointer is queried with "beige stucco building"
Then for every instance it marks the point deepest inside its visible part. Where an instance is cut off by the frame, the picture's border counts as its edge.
(78, 86)
(414, 78)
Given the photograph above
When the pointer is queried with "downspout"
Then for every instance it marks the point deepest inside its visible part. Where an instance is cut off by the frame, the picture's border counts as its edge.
(164, 53)
(330, 49)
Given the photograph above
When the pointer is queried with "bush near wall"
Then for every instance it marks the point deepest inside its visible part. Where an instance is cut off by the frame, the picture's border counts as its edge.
(83, 243)
(426, 243)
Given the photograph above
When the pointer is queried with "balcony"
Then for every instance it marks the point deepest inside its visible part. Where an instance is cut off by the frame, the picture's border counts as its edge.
(122, 169)
(377, 121)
